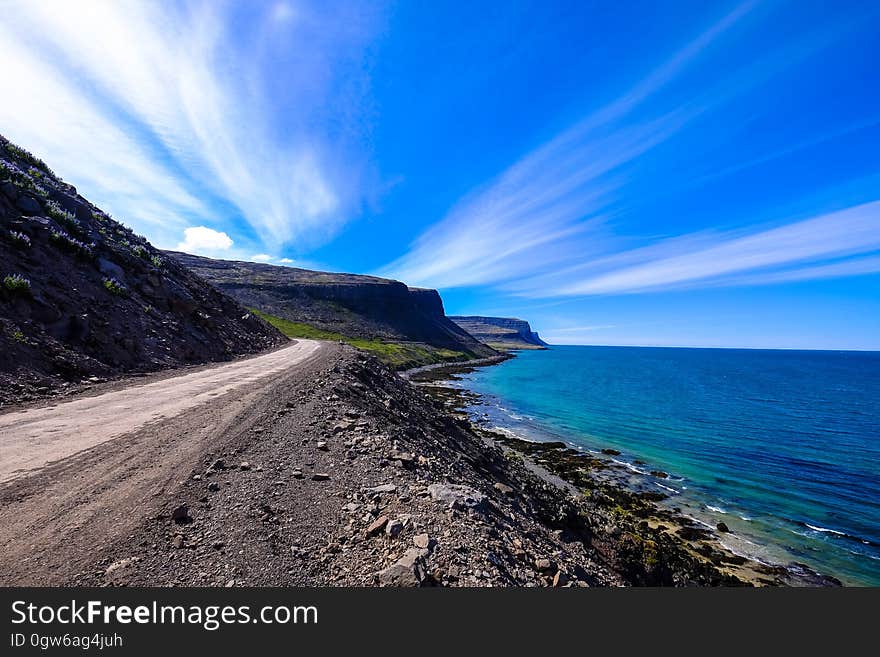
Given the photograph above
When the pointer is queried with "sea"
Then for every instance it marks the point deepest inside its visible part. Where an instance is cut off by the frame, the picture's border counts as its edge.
(782, 446)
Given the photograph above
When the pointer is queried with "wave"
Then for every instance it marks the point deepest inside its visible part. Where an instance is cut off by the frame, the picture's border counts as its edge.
(836, 532)
(716, 509)
(671, 490)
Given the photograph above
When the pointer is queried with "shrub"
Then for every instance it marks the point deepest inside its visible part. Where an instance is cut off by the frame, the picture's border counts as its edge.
(62, 216)
(141, 252)
(26, 156)
(157, 262)
(20, 240)
(114, 287)
(69, 243)
(17, 284)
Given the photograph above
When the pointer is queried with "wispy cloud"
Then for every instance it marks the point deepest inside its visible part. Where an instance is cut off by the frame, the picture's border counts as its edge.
(773, 255)
(177, 114)
(551, 224)
(546, 208)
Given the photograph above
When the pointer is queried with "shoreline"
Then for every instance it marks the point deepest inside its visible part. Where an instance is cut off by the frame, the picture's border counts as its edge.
(588, 470)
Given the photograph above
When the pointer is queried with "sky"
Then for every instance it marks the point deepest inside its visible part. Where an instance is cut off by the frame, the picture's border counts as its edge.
(638, 173)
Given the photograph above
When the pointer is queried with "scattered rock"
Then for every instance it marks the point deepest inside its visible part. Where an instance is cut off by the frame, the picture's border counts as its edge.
(322, 445)
(181, 515)
(422, 541)
(394, 528)
(560, 579)
(504, 489)
(297, 474)
(544, 565)
(213, 487)
(377, 525)
(382, 488)
(409, 570)
(457, 496)
(244, 465)
(722, 527)
(320, 476)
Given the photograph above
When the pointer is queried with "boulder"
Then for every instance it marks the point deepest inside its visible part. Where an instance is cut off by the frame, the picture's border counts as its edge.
(28, 205)
(393, 528)
(457, 496)
(377, 525)
(409, 570)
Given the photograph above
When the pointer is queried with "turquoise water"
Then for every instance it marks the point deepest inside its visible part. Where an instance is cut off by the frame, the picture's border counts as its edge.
(783, 446)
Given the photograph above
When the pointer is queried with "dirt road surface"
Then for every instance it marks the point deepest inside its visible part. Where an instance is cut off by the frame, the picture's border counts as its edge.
(32, 438)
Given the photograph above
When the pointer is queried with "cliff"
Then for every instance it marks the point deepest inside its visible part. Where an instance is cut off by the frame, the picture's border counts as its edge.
(82, 296)
(405, 326)
(503, 333)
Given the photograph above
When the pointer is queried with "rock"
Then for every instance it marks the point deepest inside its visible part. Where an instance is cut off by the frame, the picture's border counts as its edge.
(28, 205)
(213, 487)
(457, 496)
(422, 541)
(409, 570)
(297, 474)
(394, 528)
(219, 464)
(377, 525)
(544, 565)
(611, 452)
(111, 269)
(244, 465)
(322, 445)
(339, 427)
(320, 476)
(659, 474)
(404, 458)
(382, 488)
(504, 489)
(181, 515)
(722, 527)
(560, 579)
(178, 542)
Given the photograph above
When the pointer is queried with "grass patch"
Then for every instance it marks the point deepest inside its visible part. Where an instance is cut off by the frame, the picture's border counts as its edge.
(114, 287)
(17, 284)
(397, 355)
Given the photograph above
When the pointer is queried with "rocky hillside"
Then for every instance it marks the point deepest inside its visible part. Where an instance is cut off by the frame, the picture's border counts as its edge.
(502, 333)
(82, 296)
(406, 327)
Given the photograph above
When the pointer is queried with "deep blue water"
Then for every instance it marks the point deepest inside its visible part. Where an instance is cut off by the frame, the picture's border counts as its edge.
(783, 446)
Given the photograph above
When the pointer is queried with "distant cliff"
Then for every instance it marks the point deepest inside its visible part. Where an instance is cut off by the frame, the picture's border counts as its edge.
(407, 326)
(501, 332)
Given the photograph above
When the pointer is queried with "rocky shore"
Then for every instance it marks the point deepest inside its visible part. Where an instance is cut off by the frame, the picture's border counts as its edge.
(644, 541)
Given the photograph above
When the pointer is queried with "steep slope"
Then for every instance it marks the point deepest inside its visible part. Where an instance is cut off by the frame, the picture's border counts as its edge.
(501, 332)
(406, 327)
(83, 296)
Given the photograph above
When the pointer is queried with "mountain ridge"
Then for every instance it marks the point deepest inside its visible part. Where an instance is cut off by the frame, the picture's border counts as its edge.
(405, 326)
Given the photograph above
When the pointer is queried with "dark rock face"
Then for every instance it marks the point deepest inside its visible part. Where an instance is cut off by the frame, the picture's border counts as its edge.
(501, 332)
(102, 301)
(352, 305)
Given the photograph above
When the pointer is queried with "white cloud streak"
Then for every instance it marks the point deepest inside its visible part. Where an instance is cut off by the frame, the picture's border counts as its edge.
(155, 107)
(544, 208)
(767, 256)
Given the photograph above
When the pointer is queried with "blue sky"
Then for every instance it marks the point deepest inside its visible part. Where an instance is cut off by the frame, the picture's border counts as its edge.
(653, 173)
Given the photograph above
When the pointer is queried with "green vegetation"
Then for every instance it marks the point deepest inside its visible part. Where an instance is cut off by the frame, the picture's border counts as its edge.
(395, 354)
(62, 216)
(26, 156)
(114, 287)
(157, 262)
(17, 284)
(69, 243)
(18, 336)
